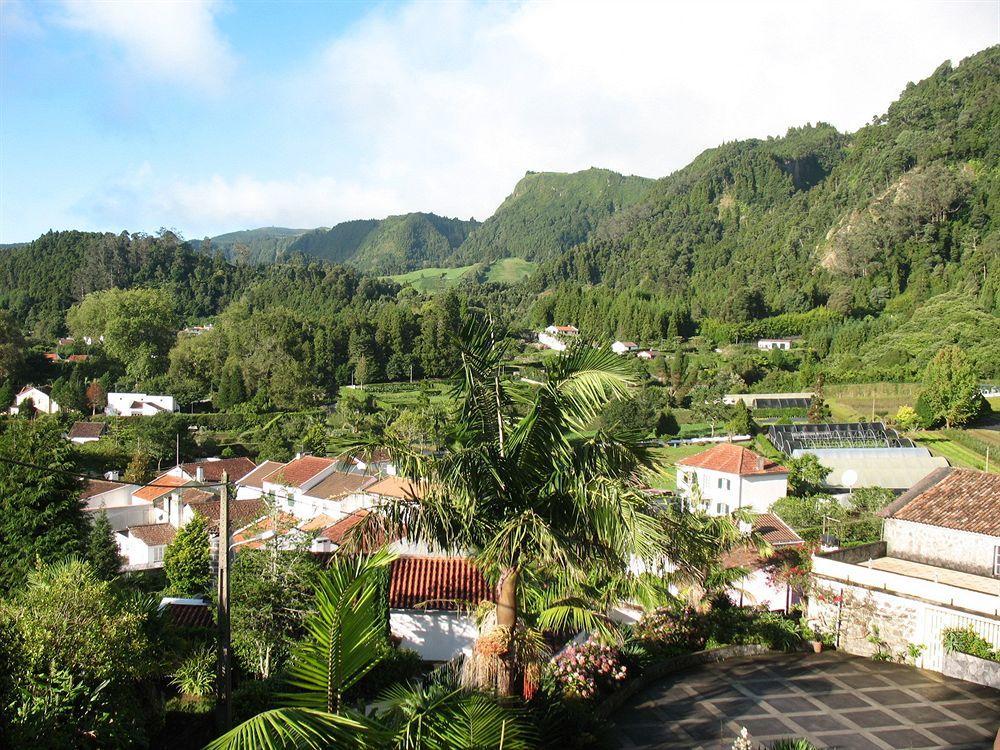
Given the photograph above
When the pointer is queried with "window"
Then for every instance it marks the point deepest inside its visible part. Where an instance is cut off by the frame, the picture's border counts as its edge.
(724, 484)
(157, 553)
(996, 561)
(721, 509)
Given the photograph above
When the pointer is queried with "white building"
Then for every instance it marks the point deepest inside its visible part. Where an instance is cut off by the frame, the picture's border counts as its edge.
(730, 477)
(938, 567)
(41, 399)
(623, 347)
(139, 404)
(86, 432)
(768, 344)
(758, 589)
(562, 330)
(143, 545)
(555, 337)
(290, 483)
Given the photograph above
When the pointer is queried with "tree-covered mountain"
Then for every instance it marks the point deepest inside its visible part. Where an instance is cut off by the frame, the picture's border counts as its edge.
(262, 245)
(903, 209)
(548, 213)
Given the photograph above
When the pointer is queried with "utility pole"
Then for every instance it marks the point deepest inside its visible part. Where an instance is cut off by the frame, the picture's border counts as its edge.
(225, 682)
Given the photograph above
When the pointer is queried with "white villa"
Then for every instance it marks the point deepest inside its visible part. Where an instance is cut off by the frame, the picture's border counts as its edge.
(624, 347)
(41, 398)
(139, 404)
(730, 477)
(554, 337)
(768, 344)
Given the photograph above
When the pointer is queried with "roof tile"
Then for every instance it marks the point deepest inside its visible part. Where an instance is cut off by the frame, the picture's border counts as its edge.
(961, 499)
(296, 473)
(733, 459)
(436, 583)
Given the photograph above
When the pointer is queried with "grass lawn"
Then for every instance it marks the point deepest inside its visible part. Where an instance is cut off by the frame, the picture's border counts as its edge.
(848, 402)
(666, 478)
(510, 270)
(437, 391)
(957, 454)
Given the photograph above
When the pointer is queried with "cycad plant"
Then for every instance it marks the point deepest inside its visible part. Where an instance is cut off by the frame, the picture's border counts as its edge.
(345, 640)
(526, 484)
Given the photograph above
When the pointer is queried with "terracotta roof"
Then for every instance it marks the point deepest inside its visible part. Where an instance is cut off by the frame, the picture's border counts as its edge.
(189, 615)
(87, 429)
(962, 499)
(733, 459)
(775, 531)
(298, 472)
(339, 531)
(241, 512)
(398, 487)
(191, 495)
(436, 583)
(94, 487)
(153, 534)
(318, 523)
(339, 484)
(256, 477)
(159, 487)
(250, 535)
(52, 357)
(78, 357)
(237, 468)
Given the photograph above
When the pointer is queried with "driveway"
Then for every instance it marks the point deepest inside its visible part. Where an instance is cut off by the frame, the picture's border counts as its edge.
(832, 699)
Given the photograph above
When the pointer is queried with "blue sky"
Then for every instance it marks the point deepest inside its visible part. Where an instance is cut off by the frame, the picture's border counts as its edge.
(209, 116)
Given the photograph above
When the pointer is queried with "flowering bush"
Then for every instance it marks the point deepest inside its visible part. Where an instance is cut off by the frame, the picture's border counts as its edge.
(668, 630)
(583, 670)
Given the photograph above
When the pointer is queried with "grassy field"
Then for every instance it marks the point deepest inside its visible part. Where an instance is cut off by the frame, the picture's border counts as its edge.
(666, 479)
(431, 280)
(941, 444)
(437, 391)
(848, 402)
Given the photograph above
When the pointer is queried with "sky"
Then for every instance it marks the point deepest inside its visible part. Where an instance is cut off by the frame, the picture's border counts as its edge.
(208, 116)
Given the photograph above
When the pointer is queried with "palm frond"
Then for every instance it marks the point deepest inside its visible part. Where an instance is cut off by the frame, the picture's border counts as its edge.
(295, 729)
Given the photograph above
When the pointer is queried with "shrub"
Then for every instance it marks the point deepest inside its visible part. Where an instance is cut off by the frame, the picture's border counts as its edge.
(968, 641)
(583, 671)
(196, 674)
(752, 625)
(669, 631)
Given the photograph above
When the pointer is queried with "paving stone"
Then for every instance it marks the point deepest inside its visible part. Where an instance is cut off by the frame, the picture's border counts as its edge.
(890, 697)
(821, 722)
(922, 714)
(863, 680)
(736, 707)
(842, 700)
(871, 718)
(761, 729)
(908, 738)
(939, 693)
(791, 705)
(849, 742)
(957, 734)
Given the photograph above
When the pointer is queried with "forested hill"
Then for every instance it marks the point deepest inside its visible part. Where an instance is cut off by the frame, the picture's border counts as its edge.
(904, 208)
(396, 244)
(550, 212)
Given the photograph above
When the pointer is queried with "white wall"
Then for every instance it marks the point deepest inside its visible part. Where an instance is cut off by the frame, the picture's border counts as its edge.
(136, 552)
(757, 492)
(756, 590)
(435, 635)
(121, 403)
(119, 496)
(551, 342)
(946, 548)
(40, 399)
(123, 516)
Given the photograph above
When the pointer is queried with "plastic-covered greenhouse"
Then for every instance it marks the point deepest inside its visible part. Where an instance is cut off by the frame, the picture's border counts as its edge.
(793, 437)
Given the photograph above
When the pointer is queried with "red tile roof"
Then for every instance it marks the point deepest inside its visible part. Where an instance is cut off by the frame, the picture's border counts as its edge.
(296, 473)
(78, 357)
(159, 487)
(241, 512)
(153, 534)
(776, 532)
(254, 533)
(87, 429)
(733, 459)
(236, 468)
(339, 484)
(436, 583)
(961, 499)
(339, 531)
(256, 477)
(97, 487)
(397, 487)
(189, 615)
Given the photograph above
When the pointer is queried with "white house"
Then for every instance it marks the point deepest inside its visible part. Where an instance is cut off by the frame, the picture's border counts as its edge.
(562, 330)
(431, 601)
(774, 344)
(139, 404)
(211, 469)
(730, 477)
(116, 500)
(937, 567)
(648, 354)
(252, 485)
(623, 347)
(554, 337)
(290, 482)
(41, 399)
(143, 545)
(758, 587)
(86, 432)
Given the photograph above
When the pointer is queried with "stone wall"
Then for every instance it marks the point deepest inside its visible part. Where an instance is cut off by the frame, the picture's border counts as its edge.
(862, 621)
(946, 548)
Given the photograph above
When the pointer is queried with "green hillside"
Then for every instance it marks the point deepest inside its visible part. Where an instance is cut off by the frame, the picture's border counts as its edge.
(263, 245)
(431, 280)
(550, 212)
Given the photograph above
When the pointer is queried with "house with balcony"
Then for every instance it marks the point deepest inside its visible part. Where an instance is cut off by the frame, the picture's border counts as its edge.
(729, 477)
(937, 567)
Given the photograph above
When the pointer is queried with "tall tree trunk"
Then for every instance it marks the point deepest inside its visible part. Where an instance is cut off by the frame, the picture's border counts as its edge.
(508, 682)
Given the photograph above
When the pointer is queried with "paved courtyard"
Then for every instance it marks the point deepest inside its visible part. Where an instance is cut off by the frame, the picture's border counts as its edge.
(832, 699)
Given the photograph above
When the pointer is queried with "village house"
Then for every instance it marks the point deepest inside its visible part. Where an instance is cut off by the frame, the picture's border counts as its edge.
(648, 354)
(40, 399)
(211, 469)
(139, 404)
(118, 502)
(937, 567)
(143, 545)
(86, 432)
(289, 484)
(729, 477)
(252, 485)
(554, 337)
(624, 347)
(768, 344)
(758, 588)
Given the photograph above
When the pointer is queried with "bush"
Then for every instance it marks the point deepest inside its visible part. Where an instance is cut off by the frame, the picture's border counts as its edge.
(196, 674)
(584, 671)
(400, 665)
(668, 631)
(968, 641)
(737, 626)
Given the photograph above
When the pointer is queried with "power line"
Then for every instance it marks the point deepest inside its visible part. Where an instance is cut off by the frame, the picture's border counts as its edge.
(81, 475)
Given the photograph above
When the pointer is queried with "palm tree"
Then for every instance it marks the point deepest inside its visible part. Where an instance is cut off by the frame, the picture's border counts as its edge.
(526, 484)
(345, 639)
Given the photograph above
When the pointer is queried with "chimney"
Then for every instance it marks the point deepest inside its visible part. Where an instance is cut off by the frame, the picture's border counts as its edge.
(298, 456)
(760, 463)
(199, 474)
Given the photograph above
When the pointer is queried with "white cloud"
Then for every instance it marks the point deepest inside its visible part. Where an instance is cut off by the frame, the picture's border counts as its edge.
(167, 40)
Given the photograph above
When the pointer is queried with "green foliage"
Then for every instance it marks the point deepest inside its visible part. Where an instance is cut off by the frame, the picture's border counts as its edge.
(951, 388)
(196, 673)
(906, 418)
(11, 348)
(968, 641)
(231, 390)
(667, 425)
(102, 550)
(806, 475)
(41, 517)
(742, 422)
(187, 560)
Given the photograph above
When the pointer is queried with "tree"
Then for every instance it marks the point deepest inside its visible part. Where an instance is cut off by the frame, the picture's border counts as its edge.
(96, 396)
(11, 346)
(6, 394)
(741, 422)
(906, 418)
(137, 471)
(818, 411)
(271, 591)
(345, 639)
(524, 484)
(102, 550)
(231, 391)
(805, 474)
(666, 424)
(41, 516)
(70, 393)
(187, 560)
(951, 388)
(82, 648)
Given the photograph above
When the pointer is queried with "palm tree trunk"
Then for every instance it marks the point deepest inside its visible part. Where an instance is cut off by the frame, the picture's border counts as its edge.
(508, 682)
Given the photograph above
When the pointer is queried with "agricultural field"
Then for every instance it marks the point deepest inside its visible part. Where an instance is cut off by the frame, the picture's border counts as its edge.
(963, 448)
(403, 397)
(431, 280)
(849, 402)
(510, 270)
